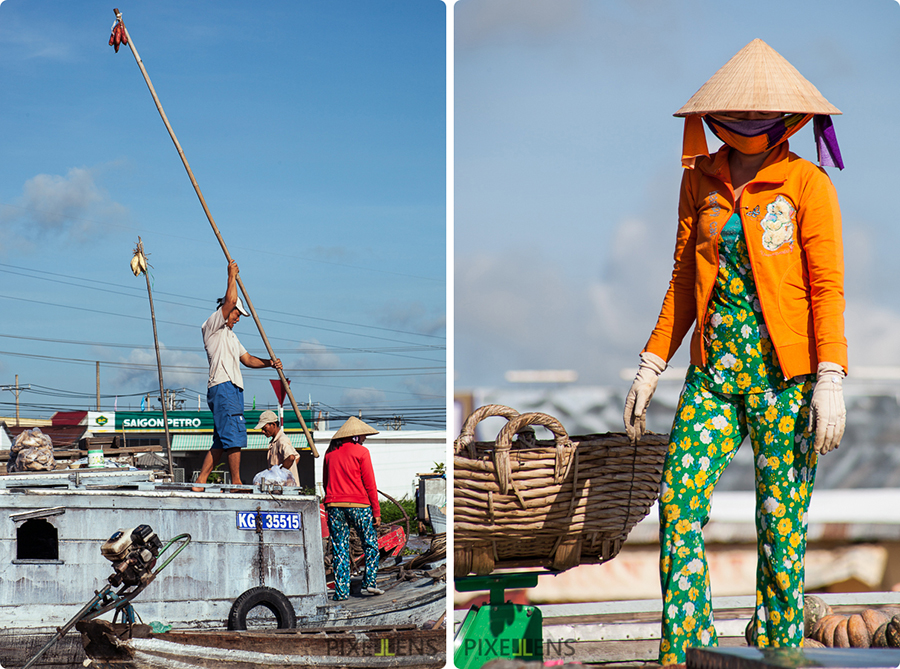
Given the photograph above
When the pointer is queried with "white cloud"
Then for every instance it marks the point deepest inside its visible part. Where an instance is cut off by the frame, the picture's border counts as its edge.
(483, 22)
(58, 209)
(531, 312)
(314, 356)
(527, 312)
(426, 389)
(362, 397)
(412, 317)
(147, 378)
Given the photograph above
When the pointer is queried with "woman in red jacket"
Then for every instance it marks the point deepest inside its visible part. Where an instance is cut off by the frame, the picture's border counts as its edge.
(759, 273)
(351, 498)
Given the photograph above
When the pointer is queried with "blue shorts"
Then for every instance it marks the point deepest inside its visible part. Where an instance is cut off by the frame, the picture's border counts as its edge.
(226, 401)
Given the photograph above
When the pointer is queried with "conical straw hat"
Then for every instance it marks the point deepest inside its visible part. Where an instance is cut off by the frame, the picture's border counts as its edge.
(758, 78)
(354, 427)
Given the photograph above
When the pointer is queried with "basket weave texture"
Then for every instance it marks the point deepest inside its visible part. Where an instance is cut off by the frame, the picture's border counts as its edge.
(523, 502)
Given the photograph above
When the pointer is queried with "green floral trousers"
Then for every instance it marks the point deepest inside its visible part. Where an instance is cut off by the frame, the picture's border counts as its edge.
(709, 427)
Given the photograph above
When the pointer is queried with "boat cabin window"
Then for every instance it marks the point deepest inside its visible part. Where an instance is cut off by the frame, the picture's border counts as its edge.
(37, 539)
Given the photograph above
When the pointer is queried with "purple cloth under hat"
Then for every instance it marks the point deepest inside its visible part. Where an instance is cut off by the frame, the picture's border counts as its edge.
(826, 142)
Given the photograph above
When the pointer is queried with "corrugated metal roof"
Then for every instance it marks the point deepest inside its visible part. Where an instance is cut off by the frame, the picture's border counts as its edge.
(62, 437)
(203, 442)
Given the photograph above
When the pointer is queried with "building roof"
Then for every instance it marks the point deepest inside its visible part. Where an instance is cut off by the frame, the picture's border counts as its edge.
(25, 422)
(62, 437)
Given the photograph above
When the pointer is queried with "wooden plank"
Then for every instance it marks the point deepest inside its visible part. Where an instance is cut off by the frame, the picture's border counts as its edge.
(18, 646)
(651, 609)
(384, 646)
(792, 658)
(422, 642)
(612, 652)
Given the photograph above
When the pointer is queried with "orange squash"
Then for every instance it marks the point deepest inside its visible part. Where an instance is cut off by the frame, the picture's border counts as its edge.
(874, 619)
(824, 630)
(857, 632)
(841, 637)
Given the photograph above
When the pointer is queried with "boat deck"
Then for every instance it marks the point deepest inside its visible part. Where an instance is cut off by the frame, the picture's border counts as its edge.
(625, 634)
(418, 599)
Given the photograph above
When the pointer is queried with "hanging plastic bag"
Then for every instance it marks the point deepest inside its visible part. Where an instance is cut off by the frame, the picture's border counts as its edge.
(35, 459)
(29, 440)
(274, 474)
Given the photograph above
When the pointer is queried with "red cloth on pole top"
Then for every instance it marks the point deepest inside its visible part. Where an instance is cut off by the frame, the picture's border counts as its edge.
(280, 390)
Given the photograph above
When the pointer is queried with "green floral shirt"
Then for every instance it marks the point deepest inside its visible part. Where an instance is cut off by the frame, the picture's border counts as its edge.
(740, 357)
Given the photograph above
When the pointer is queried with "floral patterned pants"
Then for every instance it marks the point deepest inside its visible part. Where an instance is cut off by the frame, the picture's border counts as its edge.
(339, 520)
(709, 427)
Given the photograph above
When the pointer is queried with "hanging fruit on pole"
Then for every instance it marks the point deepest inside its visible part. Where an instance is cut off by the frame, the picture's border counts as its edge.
(117, 34)
(139, 259)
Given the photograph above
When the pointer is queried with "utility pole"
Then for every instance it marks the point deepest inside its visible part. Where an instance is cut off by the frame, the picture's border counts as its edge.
(98, 385)
(139, 266)
(16, 389)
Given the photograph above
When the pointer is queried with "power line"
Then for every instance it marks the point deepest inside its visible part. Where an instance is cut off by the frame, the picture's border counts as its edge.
(268, 252)
(141, 318)
(193, 349)
(139, 295)
(189, 349)
(363, 372)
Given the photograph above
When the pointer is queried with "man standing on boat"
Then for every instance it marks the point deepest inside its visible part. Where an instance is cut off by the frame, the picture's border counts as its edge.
(225, 389)
(281, 450)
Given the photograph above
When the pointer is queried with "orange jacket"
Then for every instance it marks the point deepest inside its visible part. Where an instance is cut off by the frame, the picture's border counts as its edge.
(792, 226)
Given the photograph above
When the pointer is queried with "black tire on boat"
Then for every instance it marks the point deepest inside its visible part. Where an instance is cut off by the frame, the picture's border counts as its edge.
(270, 598)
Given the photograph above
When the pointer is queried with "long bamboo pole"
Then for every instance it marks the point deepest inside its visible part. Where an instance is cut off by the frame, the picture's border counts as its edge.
(162, 391)
(187, 167)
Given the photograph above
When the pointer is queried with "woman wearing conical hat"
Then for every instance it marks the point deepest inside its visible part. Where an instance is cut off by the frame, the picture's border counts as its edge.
(759, 273)
(351, 499)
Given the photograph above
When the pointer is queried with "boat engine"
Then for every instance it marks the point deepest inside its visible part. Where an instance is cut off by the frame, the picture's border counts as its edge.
(133, 554)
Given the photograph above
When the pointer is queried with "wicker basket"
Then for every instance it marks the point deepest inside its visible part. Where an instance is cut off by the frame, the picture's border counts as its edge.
(547, 503)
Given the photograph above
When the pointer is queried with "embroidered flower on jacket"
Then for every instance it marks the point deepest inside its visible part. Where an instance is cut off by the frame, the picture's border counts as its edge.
(778, 224)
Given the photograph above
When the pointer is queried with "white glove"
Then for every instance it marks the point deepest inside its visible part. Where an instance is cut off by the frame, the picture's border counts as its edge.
(827, 414)
(641, 391)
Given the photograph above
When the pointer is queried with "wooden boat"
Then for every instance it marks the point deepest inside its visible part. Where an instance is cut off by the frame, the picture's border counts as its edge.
(51, 563)
(120, 646)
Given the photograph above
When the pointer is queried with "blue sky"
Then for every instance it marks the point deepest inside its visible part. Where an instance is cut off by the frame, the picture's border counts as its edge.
(316, 131)
(567, 167)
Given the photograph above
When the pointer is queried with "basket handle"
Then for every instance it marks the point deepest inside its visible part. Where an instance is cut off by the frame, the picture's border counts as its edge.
(564, 447)
(466, 438)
